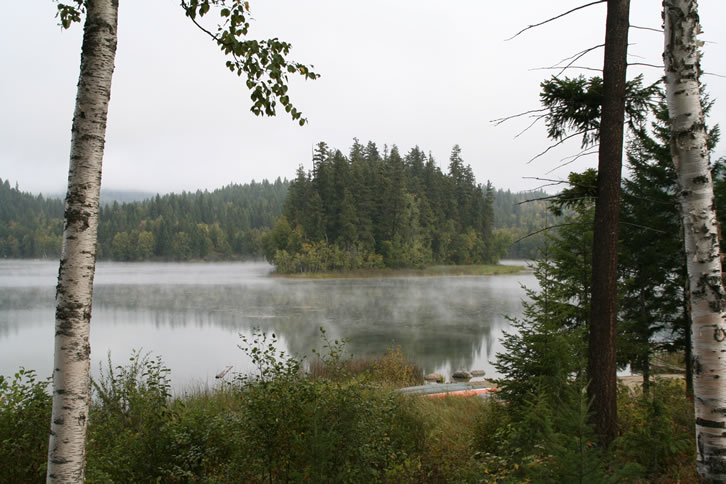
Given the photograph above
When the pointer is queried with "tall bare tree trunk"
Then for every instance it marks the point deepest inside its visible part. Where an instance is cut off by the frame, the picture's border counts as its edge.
(604, 302)
(690, 155)
(71, 373)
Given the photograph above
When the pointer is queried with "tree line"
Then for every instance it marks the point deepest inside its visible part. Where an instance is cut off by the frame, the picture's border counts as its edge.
(226, 223)
(30, 226)
(223, 224)
(371, 209)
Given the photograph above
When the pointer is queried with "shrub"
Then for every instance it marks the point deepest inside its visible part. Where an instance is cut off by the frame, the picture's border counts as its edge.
(292, 428)
(129, 422)
(657, 430)
(25, 409)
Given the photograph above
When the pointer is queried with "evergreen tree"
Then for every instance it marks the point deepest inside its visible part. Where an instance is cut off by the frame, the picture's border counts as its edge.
(402, 211)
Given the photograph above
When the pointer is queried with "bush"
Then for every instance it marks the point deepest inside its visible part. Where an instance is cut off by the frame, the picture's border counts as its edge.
(129, 436)
(25, 409)
(292, 428)
(657, 430)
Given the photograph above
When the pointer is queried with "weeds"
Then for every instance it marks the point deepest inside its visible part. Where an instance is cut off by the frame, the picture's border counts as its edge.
(24, 427)
(341, 425)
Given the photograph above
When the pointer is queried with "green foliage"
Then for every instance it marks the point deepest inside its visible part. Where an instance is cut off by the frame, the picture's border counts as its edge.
(137, 433)
(401, 211)
(580, 195)
(652, 260)
(391, 370)
(25, 408)
(524, 216)
(340, 425)
(30, 226)
(224, 224)
(325, 430)
(130, 439)
(656, 429)
(69, 13)
(547, 434)
(272, 425)
(546, 348)
(573, 106)
(264, 63)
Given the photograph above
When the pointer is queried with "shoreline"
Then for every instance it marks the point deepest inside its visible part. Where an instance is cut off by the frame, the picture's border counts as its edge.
(432, 271)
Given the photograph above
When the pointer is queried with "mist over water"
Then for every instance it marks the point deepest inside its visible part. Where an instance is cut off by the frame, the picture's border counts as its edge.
(191, 314)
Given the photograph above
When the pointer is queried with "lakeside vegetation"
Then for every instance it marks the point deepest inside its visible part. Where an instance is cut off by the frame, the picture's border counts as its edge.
(340, 420)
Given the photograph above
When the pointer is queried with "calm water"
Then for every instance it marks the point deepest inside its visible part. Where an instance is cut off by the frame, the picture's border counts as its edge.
(192, 315)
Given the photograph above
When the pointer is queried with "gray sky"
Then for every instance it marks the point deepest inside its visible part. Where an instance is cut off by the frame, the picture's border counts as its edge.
(405, 72)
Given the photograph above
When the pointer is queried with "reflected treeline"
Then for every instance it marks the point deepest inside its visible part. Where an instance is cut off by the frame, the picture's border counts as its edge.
(443, 323)
(438, 322)
(25, 307)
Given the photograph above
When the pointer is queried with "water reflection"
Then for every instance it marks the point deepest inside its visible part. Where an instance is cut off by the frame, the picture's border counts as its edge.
(191, 314)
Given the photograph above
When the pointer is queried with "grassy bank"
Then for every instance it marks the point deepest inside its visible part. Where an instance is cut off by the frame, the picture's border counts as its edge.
(432, 271)
(336, 420)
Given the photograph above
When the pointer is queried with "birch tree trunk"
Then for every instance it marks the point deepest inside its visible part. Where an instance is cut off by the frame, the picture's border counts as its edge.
(691, 158)
(71, 372)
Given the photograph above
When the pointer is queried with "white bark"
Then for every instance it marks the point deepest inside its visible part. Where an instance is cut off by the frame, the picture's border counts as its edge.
(71, 374)
(691, 158)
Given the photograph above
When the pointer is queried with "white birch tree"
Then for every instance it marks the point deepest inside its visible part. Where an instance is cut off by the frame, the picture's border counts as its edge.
(690, 153)
(71, 370)
(266, 67)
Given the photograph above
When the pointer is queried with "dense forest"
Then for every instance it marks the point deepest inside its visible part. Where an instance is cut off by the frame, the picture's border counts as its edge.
(371, 209)
(30, 226)
(427, 224)
(223, 224)
(525, 216)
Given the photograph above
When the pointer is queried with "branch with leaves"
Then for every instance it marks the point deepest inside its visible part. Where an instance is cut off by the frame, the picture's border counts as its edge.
(263, 62)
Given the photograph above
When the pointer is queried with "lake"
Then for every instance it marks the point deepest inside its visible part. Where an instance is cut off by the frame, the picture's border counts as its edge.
(191, 314)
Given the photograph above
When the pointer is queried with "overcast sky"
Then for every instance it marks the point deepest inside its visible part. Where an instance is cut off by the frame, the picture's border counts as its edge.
(419, 72)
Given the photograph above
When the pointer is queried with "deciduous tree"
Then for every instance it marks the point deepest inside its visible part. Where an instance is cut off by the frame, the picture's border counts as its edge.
(690, 153)
(266, 67)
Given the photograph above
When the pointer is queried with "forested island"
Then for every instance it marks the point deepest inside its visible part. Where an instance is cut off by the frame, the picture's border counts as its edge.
(373, 210)
(364, 210)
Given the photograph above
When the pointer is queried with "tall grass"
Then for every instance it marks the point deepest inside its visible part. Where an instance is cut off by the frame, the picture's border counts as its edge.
(343, 424)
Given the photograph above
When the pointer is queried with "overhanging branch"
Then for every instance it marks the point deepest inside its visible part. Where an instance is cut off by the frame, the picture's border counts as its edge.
(554, 18)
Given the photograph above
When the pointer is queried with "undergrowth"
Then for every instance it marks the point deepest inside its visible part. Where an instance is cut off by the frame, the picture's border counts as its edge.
(344, 423)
